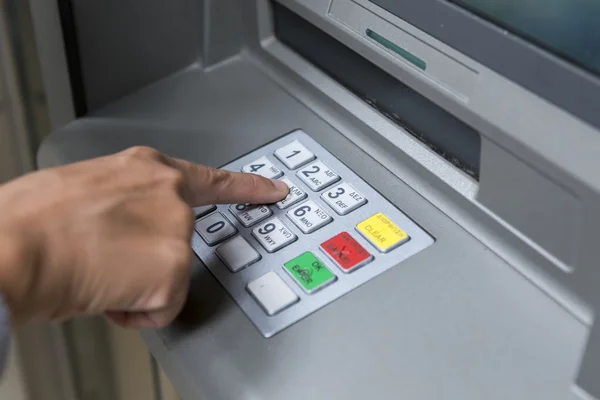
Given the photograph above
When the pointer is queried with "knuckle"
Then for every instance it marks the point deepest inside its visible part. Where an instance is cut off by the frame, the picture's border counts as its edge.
(219, 177)
(142, 152)
(172, 177)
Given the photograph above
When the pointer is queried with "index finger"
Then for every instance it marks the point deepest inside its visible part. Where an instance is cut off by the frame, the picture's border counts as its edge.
(215, 186)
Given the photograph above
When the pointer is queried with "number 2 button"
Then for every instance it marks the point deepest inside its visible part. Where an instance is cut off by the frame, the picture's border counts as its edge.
(215, 228)
(263, 167)
(294, 155)
(318, 176)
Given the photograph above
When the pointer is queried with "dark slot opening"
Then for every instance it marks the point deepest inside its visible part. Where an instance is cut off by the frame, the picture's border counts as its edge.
(445, 134)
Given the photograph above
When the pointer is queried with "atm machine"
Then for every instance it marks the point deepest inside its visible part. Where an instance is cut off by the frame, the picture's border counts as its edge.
(440, 239)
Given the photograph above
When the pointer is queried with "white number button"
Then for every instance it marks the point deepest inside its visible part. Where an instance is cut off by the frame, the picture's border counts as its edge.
(272, 293)
(294, 155)
(263, 167)
(249, 215)
(273, 235)
(296, 194)
(318, 176)
(203, 210)
(309, 217)
(215, 228)
(344, 199)
(237, 254)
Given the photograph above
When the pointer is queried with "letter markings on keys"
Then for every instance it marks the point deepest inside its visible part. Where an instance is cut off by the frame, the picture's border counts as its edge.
(318, 176)
(309, 217)
(309, 272)
(382, 233)
(249, 214)
(343, 199)
(273, 235)
(215, 228)
(296, 194)
(264, 167)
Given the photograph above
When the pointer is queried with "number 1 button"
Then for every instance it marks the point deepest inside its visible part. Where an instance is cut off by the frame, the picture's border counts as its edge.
(263, 167)
(294, 155)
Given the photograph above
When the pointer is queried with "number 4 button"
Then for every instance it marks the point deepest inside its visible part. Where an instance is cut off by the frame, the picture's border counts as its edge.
(294, 155)
(263, 167)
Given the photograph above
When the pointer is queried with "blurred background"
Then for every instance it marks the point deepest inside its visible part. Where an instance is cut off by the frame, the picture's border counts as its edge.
(86, 359)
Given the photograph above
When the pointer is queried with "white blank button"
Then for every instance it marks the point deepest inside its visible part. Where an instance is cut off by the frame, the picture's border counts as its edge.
(272, 293)
(294, 155)
(237, 254)
(263, 167)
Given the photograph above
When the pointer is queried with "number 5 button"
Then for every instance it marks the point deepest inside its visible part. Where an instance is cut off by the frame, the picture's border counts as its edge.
(318, 176)
(343, 199)
(294, 155)
(263, 167)
(215, 228)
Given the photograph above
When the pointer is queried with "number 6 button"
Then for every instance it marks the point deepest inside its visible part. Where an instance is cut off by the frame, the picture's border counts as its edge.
(318, 176)
(273, 235)
(215, 228)
(309, 217)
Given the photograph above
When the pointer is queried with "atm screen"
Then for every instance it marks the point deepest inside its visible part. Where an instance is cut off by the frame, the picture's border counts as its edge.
(569, 28)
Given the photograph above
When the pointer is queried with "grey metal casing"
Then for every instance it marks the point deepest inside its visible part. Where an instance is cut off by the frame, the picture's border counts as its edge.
(488, 312)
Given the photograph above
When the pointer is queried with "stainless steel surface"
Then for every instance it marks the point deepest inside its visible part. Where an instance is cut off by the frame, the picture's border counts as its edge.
(236, 284)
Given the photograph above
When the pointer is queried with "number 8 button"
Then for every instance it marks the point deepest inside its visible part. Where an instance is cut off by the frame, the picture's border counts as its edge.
(215, 228)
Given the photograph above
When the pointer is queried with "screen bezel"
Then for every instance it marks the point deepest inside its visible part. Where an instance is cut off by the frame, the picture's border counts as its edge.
(566, 85)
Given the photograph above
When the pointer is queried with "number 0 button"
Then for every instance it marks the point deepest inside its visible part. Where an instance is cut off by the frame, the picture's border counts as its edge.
(318, 176)
(263, 167)
(215, 228)
(273, 235)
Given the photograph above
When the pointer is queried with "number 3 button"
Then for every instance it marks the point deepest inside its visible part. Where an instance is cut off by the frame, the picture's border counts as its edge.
(215, 228)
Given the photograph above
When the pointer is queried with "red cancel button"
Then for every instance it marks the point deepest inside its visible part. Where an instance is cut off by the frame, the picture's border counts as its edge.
(346, 252)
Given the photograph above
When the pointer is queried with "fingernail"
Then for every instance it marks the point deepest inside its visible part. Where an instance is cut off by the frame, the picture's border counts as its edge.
(281, 186)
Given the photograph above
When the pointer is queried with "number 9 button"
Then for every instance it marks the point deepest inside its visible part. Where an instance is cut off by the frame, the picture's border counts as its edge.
(343, 199)
(273, 235)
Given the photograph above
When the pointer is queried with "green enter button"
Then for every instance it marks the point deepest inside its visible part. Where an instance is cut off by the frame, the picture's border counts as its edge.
(310, 272)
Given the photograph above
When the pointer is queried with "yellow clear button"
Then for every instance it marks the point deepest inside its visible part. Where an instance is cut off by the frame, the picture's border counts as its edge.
(382, 232)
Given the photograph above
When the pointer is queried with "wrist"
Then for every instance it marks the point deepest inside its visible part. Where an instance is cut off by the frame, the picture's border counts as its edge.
(16, 276)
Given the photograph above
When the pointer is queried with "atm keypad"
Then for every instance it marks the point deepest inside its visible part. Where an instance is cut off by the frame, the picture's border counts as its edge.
(333, 232)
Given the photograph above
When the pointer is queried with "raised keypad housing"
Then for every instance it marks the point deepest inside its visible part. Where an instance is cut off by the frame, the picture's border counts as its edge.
(281, 262)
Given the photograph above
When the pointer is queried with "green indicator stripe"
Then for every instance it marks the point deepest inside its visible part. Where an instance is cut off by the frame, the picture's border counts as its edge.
(309, 272)
(408, 56)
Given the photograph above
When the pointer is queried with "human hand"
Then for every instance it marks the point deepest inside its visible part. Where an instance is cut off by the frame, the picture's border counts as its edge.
(110, 235)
